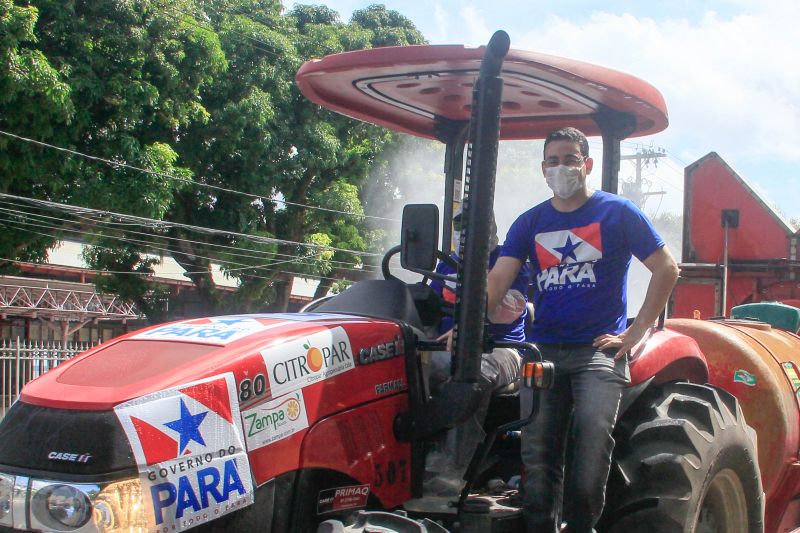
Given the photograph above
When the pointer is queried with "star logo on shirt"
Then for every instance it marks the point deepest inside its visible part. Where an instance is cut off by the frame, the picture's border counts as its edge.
(188, 426)
(568, 250)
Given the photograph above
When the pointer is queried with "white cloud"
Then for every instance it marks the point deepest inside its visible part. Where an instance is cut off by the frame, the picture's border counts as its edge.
(474, 25)
(441, 20)
(729, 83)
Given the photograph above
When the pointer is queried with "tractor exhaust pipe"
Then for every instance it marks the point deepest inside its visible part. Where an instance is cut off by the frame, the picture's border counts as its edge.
(468, 333)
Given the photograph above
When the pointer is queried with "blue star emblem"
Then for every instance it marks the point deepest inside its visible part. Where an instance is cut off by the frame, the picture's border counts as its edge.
(230, 321)
(188, 425)
(568, 250)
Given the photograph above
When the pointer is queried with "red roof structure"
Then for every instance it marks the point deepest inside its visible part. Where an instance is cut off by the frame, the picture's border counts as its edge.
(411, 89)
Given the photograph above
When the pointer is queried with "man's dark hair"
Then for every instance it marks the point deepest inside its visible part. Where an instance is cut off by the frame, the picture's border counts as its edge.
(569, 134)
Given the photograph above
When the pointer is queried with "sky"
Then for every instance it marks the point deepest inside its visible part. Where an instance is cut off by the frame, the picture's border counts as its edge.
(728, 70)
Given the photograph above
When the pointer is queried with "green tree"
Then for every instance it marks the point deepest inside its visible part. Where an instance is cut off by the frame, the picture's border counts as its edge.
(201, 94)
(33, 96)
(118, 80)
(264, 136)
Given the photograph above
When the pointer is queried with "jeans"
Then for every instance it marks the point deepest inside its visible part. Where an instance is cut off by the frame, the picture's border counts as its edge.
(580, 409)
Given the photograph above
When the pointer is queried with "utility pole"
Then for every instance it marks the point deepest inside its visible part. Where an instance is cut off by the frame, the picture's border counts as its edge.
(633, 189)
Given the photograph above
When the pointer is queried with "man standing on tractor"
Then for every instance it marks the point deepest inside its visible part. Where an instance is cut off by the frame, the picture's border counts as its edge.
(580, 244)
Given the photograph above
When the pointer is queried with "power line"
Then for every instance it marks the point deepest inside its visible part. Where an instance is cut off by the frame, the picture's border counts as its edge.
(292, 258)
(223, 262)
(93, 271)
(118, 164)
(134, 241)
(248, 37)
(162, 224)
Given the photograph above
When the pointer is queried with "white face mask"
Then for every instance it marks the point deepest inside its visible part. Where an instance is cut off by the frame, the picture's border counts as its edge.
(563, 180)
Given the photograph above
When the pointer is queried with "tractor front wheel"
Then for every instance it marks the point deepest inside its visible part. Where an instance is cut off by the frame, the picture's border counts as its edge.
(685, 462)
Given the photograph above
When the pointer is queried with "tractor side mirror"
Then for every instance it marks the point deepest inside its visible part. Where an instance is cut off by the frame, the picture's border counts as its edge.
(419, 238)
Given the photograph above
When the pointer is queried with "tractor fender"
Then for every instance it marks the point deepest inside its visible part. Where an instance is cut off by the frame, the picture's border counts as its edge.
(360, 443)
(668, 355)
(759, 365)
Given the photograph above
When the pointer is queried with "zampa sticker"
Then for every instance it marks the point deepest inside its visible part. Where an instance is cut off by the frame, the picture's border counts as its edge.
(190, 453)
(743, 376)
(306, 361)
(275, 420)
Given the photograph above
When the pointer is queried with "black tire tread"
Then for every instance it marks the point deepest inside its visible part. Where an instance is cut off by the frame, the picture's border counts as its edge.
(668, 447)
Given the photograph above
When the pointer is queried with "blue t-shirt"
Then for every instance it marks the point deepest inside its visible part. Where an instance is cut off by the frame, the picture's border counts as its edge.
(580, 264)
(514, 331)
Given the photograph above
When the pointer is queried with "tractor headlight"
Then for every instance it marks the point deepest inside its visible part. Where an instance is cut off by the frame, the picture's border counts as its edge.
(77, 507)
(6, 498)
(62, 507)
(119, 507)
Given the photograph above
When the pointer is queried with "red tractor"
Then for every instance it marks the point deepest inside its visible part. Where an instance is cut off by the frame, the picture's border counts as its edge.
(321, 421)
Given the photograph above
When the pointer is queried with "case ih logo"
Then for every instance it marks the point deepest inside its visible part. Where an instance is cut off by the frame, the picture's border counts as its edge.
(307, 361)
(189, 448)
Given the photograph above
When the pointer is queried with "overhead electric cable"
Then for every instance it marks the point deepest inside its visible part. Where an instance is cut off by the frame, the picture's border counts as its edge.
(119, 164)
(291, 258)
(167, 224)
(94, 271)
(243, 266)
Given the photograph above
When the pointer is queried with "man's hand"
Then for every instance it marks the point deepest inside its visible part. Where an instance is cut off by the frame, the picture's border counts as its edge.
(664, 271)
(624, 342)
(448, 339)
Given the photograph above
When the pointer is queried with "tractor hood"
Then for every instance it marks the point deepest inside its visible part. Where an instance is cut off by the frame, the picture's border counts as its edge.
(176, 353)
(79, 418)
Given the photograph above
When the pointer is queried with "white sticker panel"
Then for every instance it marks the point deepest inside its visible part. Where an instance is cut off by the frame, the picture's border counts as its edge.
(307, 360)
(219, 330)
(189, 449)
(274, 420)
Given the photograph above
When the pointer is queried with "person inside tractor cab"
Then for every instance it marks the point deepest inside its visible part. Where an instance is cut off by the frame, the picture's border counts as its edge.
(499, 368)
(580, 244)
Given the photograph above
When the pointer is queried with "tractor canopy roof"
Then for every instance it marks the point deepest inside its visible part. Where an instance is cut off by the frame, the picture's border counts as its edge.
(418, 89)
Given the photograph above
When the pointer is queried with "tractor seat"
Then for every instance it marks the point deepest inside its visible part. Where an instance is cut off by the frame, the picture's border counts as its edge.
(390, 299)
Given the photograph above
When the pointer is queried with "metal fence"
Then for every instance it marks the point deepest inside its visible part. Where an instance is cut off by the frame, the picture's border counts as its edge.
(22, 361)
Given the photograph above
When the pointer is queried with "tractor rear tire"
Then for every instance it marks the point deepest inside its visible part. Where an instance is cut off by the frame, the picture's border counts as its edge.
(685, 462)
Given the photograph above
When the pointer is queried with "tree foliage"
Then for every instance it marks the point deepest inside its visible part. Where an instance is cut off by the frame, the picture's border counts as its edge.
(201, 95)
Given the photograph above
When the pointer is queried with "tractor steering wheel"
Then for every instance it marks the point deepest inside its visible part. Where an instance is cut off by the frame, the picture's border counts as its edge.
(386, 271)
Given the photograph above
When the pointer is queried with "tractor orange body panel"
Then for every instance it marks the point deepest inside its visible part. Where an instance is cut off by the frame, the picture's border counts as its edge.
(760, 365)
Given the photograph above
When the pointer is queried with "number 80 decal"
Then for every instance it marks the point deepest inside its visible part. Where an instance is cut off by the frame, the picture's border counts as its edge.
(249, 389)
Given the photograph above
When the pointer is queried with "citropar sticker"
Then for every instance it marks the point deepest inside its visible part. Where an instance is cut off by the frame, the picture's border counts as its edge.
(190, 452)
(275, 420)
(341, 498)
(743, 376)
(307, 360)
